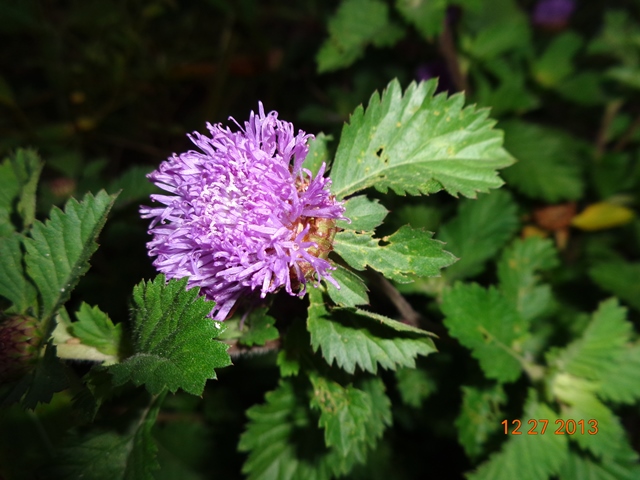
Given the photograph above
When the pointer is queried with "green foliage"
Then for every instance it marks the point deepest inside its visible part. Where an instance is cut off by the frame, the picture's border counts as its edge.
(261, 328)
(318, 153)
(529, 457)
(364, 214)
(109, 454)
(517, 270)
(556, 63)
(356, 24)
(619, 278)
(623, 382)
(427, 16)
(173, 340)
(477, 232)
(487, 323)
(480, 417)
(414, 386)
(353, 339)
(58, 251)
(352, 291)
(547, 167)
(405, 254)
(19, 174)
(95, 328)
(14, 284)
(418, 144)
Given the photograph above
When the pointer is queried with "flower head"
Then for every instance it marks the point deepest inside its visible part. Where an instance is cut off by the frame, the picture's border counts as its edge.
(242, 213)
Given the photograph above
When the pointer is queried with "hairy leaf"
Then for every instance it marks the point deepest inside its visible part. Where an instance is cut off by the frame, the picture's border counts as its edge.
(355, 339)
(418, 144)
(485, 322)
(352, 289)
(9, 192)
(405, 254)
(478, 231)
(173, 339)
(517, 274)
(581, 466)
(356, 24)
(527, 457)
(621, 279)
(58, 251)
(14, 284)
(480, 417)
(95, 328)
(365, 214)
(622, 384)
(19, 175)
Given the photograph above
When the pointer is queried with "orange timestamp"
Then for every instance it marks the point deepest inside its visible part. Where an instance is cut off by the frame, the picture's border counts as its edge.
(564, 427)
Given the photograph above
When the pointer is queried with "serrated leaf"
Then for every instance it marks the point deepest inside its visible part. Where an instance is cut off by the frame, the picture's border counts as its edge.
(414, 386)
(173, 339)
(407, 253)
(620, 278)
(418, 144)
(580, 466)
(355, 25)
(348, 416)
(365, 214)
(318, 153)
(622, 384)
(357, 340)
(595, 354)
(427, 16)
(579, 401)
(352, 290)
(95, 328)
(261, 328)
(478, 232)
(9, 192)
(480, 417)
(547, 167)
(486, 323)
(517, 270)
(58, 252)
(527, 457)
(14, 284)
(27, 167)
(101, 454)
(282, 439)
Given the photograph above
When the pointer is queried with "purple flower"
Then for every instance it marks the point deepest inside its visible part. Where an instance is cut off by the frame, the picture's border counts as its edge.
(553, 13)
(242, 214)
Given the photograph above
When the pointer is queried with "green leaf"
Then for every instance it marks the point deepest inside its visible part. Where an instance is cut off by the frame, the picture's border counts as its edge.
(414, 386)
(95, 328)
(174, 340)
(132, 186)
(27, 167)
(355, 339)
(352, 424)
(261, 328)
(517, 275)
(318, 153)
(595, 354)
(620, 278)
(9, 192)
(527, 457)
(485, 322)
(418, 144)
(556, 63)
(504, 34)
(365, 214)
(283, 440)
(480, 417)
(478, 232)
(581, 466)
(579, 401)
(14, 284)
(547, 167)
(102, 454)
(58, 251)
(405, 254)
(352, 290)
(622, 384)
(356, 24)
(427, 16)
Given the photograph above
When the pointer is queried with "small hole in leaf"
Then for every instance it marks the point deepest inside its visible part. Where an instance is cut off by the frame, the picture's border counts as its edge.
(379, 152)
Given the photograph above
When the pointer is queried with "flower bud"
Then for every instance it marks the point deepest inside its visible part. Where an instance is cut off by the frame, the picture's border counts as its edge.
(20, 339)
